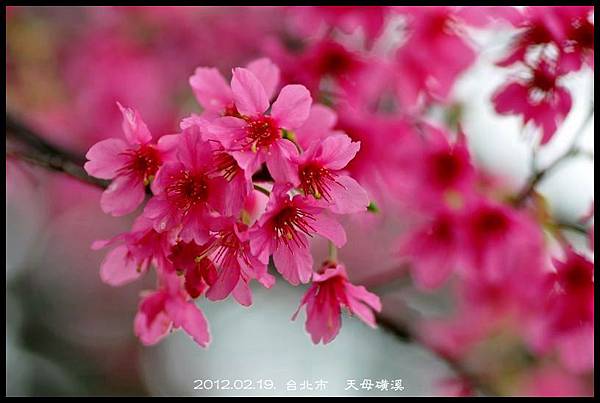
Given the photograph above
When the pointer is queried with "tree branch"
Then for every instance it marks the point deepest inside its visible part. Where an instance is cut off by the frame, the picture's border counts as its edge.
(24, 144)
(539, 175)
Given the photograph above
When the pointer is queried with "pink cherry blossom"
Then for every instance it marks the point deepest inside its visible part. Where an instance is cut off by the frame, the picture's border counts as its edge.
(570, 311)
(568, 28)
(498, 239)
(135, 252)
(434, 250)
(131, 164)
(329, 292)
(320, 174)
(348, 18)
(433, 56)
(255, 137)
(160, 311)
(437, 173)
(186, 191)
(214, 94)
(538, 98)
(283, 231)
(236, 265)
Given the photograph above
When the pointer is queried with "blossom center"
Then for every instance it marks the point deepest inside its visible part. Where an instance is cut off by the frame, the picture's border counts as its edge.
(577, 277)
(583, 34)
(447, 168)
(143, 162)
(290, 222)
(490, 224)
(543, 80)
(316, 180)
(261, 132)
(188, 190)
(226, 165)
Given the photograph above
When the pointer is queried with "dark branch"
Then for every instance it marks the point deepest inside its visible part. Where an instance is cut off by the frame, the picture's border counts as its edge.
(24, 144)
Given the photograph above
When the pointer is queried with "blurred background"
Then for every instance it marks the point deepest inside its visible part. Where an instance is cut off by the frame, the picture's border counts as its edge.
(70, 334)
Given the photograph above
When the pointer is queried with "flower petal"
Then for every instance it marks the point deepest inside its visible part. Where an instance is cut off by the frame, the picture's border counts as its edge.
(348, 196)
(189, 317)
(267, 73)
(134, 127)
(292, 107)
(211, 89)
(329, 228)
(249, 94)
(117, 268)
(294, 265)
(122, 196)
(106, 158)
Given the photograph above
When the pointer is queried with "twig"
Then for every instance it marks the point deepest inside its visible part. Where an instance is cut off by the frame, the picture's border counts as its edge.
(537, 177)
(24, 144)
(405, 334)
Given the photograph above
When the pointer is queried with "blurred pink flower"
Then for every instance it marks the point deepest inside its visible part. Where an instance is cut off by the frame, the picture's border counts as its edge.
(433, 56)
(347, 18)
(538, 98)
(568, 28)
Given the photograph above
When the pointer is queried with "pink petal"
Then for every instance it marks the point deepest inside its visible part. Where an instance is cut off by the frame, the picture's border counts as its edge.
(242, 293)
(292, 107)
(227, 279)
(250, 162)
(187, 316)
(267, 73)
(329, 228)
(430, 271)
(106, 158)
(118, 268)
(193, 151)
(337, 151)
(261, 244)
(167, 145)
(248, 92)
(362, 303)
(211, 89)
(134, 127)
(279, 162)
(294, 265)
(348, 196)
(323, 318)
(226, 130)
(511, 99)
(317, 126)
(122, 196)
(151, 324)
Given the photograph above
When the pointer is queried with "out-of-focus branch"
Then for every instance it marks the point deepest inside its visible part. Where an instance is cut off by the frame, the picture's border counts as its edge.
(405, 333)
(26, 145)
(539, 175)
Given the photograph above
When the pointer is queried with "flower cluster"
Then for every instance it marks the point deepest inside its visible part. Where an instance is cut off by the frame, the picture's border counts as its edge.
(344, 115)
(201, 228)
(553, 42)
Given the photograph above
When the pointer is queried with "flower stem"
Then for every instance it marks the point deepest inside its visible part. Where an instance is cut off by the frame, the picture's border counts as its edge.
(333, 252)
(262, 190)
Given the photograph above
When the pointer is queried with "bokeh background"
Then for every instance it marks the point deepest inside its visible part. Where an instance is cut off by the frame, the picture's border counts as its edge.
(70, 334)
